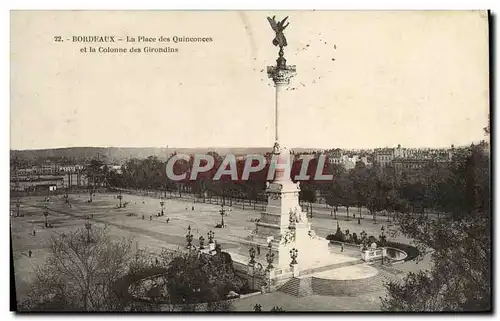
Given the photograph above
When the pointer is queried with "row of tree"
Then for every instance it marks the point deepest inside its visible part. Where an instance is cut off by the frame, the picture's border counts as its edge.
(374, 188)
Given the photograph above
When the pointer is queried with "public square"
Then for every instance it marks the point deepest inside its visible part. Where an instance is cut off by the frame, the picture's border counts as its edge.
(153, 233)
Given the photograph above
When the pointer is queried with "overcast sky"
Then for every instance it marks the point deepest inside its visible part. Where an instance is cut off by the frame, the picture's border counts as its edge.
(364, 79)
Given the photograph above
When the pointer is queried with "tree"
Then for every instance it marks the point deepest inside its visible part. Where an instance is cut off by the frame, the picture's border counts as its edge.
(361, 179)
(307, 194)
(460, 278)
(347, 198)
(78, 275)
(333, 192)
(196, 279)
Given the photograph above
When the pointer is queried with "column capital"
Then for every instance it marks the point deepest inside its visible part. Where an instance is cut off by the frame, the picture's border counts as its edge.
(281, 75)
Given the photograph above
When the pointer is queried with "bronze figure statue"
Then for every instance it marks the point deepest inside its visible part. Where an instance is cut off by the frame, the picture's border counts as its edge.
(278, 28)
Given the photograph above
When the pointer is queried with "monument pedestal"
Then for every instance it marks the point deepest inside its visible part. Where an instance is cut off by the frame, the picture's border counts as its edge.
(286, 227)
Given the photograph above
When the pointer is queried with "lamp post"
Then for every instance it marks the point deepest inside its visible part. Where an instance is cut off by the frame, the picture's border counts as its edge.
(293, 255)
(162, 203)
(189, 238)
(45, 214)
(222, 213)
(382, 242)
(120, 198)
(202, 240)
(210, 237)
(270, 257)
(88, 226)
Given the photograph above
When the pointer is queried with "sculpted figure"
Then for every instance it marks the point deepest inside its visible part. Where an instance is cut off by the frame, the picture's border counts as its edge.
(278, 27)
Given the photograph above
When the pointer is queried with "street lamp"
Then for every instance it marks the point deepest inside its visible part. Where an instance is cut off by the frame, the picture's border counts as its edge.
(293, 255)
(202, 240)
(189, 237)
(88, 226)
(162, 203)
(210, 237)
(222, 213)
(382, 242)
(45, 214)
(120, 198)
(270, 257)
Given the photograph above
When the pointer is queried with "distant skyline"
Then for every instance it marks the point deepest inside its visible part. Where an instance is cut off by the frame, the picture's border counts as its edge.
(251, 147)
(364, 80)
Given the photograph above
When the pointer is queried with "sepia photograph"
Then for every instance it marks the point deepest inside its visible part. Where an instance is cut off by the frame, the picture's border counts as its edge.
(250, 161)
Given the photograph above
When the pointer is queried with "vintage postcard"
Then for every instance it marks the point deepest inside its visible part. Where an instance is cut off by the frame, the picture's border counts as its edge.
(266, 161)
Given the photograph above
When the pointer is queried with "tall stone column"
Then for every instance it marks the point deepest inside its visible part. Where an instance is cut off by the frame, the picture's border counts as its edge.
(281, 74)
(283, 228)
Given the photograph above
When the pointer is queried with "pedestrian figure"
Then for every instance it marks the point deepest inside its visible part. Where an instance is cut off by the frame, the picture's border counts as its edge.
(34, 232)
(359, 220)
(150, 217)
(143, 216)
(157, 261)
(258, 250)
(341, 247)
(192, 208)
(29, 253)
(168, 220)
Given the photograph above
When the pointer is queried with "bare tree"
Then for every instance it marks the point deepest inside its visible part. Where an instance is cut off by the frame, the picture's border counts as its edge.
(79, 275)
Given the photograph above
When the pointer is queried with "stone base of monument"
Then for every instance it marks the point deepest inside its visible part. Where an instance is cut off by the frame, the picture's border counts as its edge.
(308, 263)
(284, 229)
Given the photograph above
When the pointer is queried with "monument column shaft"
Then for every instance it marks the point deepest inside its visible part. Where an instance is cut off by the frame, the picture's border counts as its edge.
(279, 88)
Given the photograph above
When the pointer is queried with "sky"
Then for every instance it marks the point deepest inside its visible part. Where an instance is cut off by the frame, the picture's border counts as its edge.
(364, 79)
